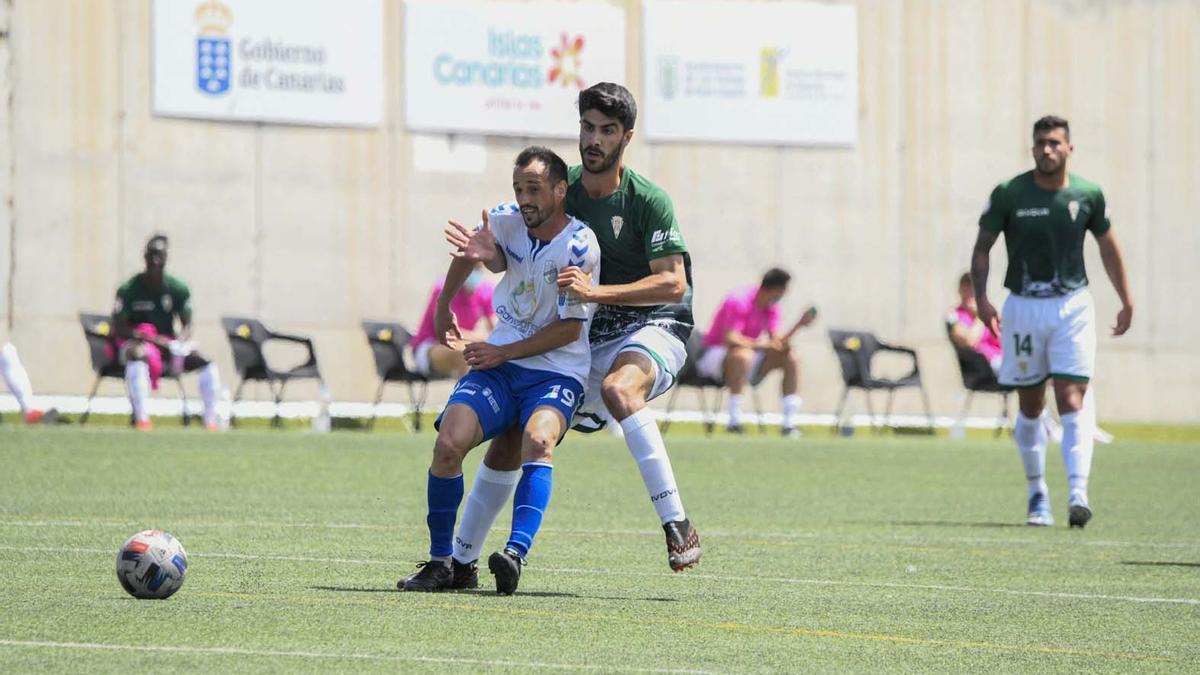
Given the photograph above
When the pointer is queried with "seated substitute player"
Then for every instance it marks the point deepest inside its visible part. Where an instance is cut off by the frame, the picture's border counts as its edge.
(1049, 327)
(144, 316)
(530, 372)
(744, 344)
(17, 380)
(643, 319)
(967, 331)
(472, 306)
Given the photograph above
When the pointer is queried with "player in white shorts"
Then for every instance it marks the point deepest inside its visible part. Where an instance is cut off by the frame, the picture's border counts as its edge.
(1049, 327)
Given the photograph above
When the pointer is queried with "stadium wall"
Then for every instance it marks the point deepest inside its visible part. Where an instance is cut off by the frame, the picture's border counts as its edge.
(314, 229)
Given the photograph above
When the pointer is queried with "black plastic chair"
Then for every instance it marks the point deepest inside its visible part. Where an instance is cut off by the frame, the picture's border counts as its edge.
(855, 350)
(106, 360)
(688, 376)
(978, 377)
(246, 339)
(387, 341)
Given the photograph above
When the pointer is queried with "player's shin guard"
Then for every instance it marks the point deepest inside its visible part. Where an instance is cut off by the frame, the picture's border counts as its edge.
(444, 495)
(529, 505)
(1078, 442)
(489, 494)
(1031, 438)
(15, 377)
(646, 445)
(791, 406)
(210, 384)
(137, 381)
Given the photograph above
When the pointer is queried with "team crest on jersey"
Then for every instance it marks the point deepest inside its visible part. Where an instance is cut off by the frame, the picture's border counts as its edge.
(549, 272)
(166, 303)
(1073, 209)
(617, 223)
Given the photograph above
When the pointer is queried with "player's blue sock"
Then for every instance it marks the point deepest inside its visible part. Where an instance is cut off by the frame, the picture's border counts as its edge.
(443, 495)
(529, 504)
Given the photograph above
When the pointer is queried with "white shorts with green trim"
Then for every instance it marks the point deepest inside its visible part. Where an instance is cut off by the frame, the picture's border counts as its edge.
(1048, 337)
(665, 352)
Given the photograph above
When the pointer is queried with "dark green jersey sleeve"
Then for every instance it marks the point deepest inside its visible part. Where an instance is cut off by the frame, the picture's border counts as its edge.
(182, 297)
(1099, 222)
(662, 235)
(993, 216)
(122, 301)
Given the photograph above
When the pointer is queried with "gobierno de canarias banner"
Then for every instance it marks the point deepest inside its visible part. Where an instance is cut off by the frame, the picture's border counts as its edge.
(315, 62)
(507, 68)
(775, 73)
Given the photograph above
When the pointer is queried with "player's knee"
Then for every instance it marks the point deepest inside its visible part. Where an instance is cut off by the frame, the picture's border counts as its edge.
(449, 449)
(135, 352)
(621, 399)
(537, 446)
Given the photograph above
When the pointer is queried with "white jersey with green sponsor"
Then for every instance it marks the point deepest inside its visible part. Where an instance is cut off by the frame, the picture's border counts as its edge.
(527, 298)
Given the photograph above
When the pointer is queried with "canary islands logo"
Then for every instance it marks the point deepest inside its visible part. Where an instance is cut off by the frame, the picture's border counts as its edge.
(213, 52)
(565, 70)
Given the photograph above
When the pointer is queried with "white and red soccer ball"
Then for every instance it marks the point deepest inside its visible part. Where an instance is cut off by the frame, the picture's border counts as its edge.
(151, 564)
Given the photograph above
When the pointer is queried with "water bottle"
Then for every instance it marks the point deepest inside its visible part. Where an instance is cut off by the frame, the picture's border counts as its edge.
(322, 422)
(224, 409)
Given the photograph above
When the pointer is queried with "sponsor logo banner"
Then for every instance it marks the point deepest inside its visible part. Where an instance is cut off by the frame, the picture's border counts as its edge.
(750, 72)
(315, 62)
(507, 68)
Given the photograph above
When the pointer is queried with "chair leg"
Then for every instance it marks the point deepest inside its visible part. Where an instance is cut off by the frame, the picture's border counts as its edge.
(87, 409)
(870, 410)
(416, 403)
(928, 408)
(666, 424)
(887, 415)
(837, 416)
(1002, 420)
(762, 426)
(183, 400)
(707, 417)
(277, 420)
(237, 396)
(375, 405)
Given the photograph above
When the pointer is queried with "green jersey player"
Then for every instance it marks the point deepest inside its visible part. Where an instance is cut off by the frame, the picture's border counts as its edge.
(642, 322)
(1049, 322)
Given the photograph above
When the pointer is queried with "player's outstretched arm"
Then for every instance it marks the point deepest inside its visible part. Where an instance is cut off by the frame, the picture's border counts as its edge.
(481, 355)
(666, 284)
(1114, 266)
(980, 262)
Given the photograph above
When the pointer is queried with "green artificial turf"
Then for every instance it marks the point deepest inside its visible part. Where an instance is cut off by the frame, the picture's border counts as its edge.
(821, 554)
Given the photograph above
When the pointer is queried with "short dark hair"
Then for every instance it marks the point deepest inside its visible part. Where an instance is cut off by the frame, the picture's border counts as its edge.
(965, 279)
(158, 242)
(1050, 122)
(554, 164)
(775, 278)
(610, 99)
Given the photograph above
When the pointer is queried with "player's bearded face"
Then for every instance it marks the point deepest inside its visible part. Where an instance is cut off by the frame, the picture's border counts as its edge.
(535, 197)
(602, 140)
(1051, 150)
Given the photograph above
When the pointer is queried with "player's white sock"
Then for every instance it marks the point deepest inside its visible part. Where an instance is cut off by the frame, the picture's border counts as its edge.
(489, 494)
(646, 445)
(735, 409)
(210, 384)
(137, 381)
(791, 405)
(1077, 445)
(1031, 438)
(15, 377)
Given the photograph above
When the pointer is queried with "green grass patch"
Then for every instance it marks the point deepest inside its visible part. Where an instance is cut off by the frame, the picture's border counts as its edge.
(871, 553)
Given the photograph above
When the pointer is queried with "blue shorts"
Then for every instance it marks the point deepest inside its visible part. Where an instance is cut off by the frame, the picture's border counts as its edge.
(509, 394)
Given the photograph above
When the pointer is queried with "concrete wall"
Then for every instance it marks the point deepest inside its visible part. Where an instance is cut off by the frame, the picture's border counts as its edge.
(314, 229)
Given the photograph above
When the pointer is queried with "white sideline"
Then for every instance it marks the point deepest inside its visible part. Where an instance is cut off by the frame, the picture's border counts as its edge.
(690, 575)
(238, 651)
(785, 536)
(169, 406)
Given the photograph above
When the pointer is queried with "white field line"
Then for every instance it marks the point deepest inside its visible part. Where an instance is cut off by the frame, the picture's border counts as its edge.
(741, 535)
(689, 575)
(238, 651)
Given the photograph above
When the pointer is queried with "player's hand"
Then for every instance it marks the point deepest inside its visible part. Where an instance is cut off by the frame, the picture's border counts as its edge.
(481, 355)
(1124, 320)
(988, 315)
(445, 326)
(475, 245)
(576, 283)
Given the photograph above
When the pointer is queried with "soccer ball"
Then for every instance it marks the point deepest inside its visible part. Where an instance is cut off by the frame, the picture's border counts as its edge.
(151, 564)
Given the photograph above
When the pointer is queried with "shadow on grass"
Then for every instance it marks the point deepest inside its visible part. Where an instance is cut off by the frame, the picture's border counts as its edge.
(1160, 563)
(492, 594)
